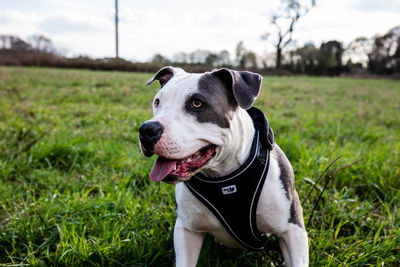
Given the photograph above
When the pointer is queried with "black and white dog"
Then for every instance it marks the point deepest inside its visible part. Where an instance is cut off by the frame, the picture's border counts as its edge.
(231, 179)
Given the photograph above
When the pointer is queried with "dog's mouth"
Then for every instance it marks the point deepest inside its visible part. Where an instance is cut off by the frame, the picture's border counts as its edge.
(174, 171)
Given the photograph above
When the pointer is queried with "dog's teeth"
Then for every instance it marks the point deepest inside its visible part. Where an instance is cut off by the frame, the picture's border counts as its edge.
(189, 160)
(174, 168)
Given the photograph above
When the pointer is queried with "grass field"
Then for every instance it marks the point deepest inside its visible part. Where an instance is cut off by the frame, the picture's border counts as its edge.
(74, 187)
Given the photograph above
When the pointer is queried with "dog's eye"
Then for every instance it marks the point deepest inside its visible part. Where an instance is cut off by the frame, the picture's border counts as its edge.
(156, 102)
(196, 103)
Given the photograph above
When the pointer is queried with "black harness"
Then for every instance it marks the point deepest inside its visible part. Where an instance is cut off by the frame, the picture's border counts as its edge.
(233, 198)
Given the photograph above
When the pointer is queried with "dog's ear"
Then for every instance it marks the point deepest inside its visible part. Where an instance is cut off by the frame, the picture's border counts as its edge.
(244, 85)
(163, 75)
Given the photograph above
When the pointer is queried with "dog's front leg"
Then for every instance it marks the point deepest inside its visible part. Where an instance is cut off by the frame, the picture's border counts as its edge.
(187, 245)
(294, 246)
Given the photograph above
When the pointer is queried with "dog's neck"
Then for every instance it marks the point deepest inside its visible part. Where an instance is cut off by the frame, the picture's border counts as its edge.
(237, 145)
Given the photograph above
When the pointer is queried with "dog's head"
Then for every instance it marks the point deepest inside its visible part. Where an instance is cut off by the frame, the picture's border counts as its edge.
(192, 118)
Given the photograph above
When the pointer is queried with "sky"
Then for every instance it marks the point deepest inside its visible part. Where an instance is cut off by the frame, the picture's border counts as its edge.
(147, 27)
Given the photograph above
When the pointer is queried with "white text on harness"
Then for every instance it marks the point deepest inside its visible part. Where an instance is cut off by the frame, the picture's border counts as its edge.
(229, 189)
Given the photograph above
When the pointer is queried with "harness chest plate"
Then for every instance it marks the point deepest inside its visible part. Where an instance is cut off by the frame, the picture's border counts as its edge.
(233, 198)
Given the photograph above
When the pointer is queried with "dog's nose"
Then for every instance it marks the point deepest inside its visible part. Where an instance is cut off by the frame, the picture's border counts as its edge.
(149, 133)
(151, 130)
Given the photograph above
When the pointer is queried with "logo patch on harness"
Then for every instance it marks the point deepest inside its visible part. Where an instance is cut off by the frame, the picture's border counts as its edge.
(229, 189)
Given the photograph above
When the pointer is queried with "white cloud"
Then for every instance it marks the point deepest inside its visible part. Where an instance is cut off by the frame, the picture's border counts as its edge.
(333, 20)
(167, 27)
(392, 6)
(66, 22)
(18, 23)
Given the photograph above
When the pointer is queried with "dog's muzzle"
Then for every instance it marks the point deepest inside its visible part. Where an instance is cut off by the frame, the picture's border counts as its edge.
(149, 133)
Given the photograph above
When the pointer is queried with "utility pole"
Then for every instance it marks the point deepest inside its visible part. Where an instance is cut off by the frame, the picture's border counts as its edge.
(116, 28)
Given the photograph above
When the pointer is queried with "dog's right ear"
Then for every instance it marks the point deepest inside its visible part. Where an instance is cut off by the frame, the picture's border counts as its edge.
(163, 75)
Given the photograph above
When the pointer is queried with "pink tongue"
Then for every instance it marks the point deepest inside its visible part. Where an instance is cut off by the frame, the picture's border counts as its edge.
(162, 167)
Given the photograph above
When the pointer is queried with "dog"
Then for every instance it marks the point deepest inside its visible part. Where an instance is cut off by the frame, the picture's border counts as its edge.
(207, 135)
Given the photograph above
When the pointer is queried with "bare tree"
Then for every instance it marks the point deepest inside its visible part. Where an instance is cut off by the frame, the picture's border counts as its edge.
(385, 55)
(284, 20)
(357, 51)
(180, 57)
(160, 59)
(3, 41)
(240, 51)
(223, 59)
(41, 44)
(245, 59)
(12, 42)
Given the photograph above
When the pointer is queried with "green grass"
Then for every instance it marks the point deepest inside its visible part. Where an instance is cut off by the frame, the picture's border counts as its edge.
(74, 187)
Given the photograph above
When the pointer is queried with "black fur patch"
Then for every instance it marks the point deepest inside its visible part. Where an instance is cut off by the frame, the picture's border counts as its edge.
(295, 212)
(287, 175)
(287, 179)
(217, 102)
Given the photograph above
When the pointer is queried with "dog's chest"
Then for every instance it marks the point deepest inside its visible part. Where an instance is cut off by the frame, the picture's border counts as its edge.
(272, 210)
(198, 218)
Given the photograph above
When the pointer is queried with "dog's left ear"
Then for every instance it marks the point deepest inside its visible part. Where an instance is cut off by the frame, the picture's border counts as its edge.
(164, 75)
(244, 85)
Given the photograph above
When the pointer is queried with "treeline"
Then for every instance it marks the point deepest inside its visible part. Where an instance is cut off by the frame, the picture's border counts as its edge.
(39, 51)
(378, 55)
(243, 59)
